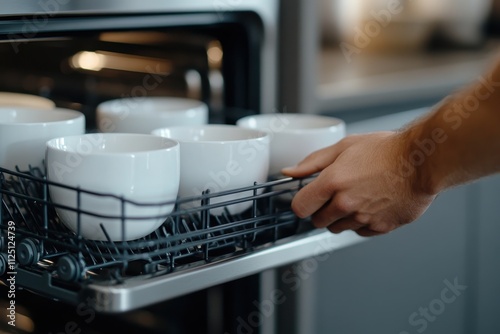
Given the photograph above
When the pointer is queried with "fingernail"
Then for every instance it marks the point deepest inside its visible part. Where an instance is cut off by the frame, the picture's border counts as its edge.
(288, 169)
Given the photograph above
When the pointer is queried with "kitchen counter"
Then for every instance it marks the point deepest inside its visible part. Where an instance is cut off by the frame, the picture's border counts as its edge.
(371, 80)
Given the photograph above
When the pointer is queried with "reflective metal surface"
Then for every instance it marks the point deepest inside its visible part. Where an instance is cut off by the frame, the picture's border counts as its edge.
(135, 294)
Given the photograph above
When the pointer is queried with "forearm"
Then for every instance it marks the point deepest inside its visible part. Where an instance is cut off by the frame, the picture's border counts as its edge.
(459, 141)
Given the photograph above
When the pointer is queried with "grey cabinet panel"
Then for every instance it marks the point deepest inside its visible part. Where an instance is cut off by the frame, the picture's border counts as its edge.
(488, 256)
(400, 283)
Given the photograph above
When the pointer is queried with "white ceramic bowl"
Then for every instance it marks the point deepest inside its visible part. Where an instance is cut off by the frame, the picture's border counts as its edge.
(8, 99)
(294, 136)
(409, 23)
(141, 168)
(220, 158)
(143, 115)
(24, 132)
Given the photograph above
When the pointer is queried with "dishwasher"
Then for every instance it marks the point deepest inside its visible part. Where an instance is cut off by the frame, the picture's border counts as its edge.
(217, 268)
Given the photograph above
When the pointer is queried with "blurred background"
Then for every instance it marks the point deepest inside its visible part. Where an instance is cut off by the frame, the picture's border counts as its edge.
(391, 55)
(378, 65)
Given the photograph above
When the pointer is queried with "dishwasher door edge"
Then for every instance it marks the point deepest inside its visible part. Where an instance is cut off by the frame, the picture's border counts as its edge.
(133, 294)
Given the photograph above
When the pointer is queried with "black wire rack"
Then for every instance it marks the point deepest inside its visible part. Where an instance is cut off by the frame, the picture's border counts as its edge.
(186, 239)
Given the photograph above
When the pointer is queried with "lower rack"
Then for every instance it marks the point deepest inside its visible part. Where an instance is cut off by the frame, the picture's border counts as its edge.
(59, 263)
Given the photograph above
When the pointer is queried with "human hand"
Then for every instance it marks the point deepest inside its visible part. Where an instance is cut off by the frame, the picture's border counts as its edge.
(359, 187)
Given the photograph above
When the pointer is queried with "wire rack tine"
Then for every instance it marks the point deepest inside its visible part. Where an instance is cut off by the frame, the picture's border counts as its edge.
(188, 236)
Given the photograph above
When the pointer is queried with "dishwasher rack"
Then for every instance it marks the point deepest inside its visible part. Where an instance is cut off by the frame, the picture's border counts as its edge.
(59, 263)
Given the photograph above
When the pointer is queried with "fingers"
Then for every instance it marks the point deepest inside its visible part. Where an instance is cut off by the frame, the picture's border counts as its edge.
(319, 192)
(350, 224)
(345, 224)
(312, 197)
(351, 191)
(368, 232)
(314, 162)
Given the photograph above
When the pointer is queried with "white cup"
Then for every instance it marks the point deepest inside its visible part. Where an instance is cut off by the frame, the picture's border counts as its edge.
(294, 136)
(219, 158)
(143, 115)
(24, 132)
(141, 168)
(8, 99)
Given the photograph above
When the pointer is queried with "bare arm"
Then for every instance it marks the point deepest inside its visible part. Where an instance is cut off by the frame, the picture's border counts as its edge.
(377, 182)
(469, 147)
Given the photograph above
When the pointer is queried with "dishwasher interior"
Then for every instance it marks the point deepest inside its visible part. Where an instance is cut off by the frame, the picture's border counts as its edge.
(197, 264)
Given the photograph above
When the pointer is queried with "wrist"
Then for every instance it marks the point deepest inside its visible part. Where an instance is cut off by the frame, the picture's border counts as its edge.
(419, 145)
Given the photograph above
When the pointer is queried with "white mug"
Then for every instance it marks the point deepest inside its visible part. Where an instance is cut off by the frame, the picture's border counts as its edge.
(143, 169)
(24, 132)
(220, 158)
(294, 136)
(144, 114)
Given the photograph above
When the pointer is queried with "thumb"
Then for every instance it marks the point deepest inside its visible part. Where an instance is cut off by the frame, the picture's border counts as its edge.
(314, 162)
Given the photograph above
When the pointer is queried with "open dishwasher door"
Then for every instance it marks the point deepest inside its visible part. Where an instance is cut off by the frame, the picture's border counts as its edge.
(193, 249)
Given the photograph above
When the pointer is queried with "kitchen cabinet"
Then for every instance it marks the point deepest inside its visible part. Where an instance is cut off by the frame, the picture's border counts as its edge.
(485, 222)
(397, 283)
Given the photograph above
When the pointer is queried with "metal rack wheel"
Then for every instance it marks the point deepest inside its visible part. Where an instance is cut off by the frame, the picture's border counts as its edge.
(70, 268)
(28, 252)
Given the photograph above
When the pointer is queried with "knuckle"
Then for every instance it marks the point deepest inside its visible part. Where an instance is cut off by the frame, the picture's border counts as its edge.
(362, 218)
(343, 204)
